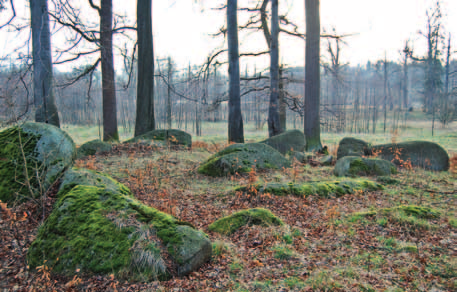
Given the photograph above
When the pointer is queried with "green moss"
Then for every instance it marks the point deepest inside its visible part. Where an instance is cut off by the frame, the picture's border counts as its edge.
(93, 147)
(98, 230)
(453, 222)
(322, 189)
(232, 223)
(240, 158)
(12, 167)
(90, 241)
(416, 217)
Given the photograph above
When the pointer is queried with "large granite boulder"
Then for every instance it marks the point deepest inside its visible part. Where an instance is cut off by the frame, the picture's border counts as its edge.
(98, 227)
(240, 158)
(352, 147)
(172, 136)
(357, 166)
(43, 150)
(293, 140)
(93, 147)
(424, 154)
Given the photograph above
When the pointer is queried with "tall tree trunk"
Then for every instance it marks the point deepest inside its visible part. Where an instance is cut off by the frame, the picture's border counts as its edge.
(282, 102)
(170, 79)
(46, 109)
(235, 123)
(110, 132)
(312, 77)
(274, 126)
(405, 77)
(145, 120)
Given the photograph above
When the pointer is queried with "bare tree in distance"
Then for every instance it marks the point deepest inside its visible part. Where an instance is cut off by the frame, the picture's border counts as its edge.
(274, 127)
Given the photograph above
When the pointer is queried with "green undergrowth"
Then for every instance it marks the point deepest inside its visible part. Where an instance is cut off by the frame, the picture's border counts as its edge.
(321, 189)
(258, 216)
(13, 177)
(101, 231)
(416, 217)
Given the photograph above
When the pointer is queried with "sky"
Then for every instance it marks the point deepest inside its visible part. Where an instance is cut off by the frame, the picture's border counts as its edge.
(378, 27)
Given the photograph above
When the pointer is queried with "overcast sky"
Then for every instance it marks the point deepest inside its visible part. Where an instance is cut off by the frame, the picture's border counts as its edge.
(181, 28)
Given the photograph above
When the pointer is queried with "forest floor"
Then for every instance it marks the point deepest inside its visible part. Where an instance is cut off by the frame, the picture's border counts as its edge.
(325, 246)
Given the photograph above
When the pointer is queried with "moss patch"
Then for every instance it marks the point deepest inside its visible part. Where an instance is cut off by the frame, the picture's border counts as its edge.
(322, 189)
(232, 223)
(416, 217)
(240, 158)
(12, 168)
(173, 136)
(293, 140)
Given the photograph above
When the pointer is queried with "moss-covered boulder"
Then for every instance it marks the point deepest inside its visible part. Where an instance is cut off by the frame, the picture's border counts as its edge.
(240, 158)
(172, 136)
(102, 229)
(357, 166)
(85, 177)
(352, 147)
(46, 151)
(321, 189)
(258, 216)
(424, 154)
(93, 147)
(293, 140)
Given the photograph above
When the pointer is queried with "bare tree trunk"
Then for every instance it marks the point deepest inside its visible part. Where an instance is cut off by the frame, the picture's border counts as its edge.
(170, 80)
(274, 126)
(235, 123)
(385, 91)
(110, 132)
(145, 120)
(312, 76)
(282, 102)
(46, 109)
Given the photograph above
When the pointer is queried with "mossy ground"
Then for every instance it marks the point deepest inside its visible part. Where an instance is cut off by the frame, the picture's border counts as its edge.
(325, 189)
(230, 224)
(13, 143)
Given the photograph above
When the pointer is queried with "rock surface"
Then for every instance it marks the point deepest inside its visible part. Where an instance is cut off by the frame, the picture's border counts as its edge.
(98, 227)
(352, 147)
(93, 147)
(424, 154)
(240, 158)
(355, 166)
(45, 149)
(293, 140)
(173, 136)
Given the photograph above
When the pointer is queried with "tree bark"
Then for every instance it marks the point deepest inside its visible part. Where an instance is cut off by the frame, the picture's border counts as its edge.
(110, 131)
(235, 124)
(45, 105)
(145, 120)
(312, 77)
(274, 126)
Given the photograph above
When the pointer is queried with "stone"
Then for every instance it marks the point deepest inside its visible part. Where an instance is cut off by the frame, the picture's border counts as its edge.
(349, 146)
(98, 227)
(293, 140)
(172, 136)
(43, 148)
(355, 166)
(93, 147)
(241, 158)
(424, 154)
(258, 216)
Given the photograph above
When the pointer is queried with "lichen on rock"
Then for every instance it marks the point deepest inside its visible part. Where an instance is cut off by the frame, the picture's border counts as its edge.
(355, 166)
